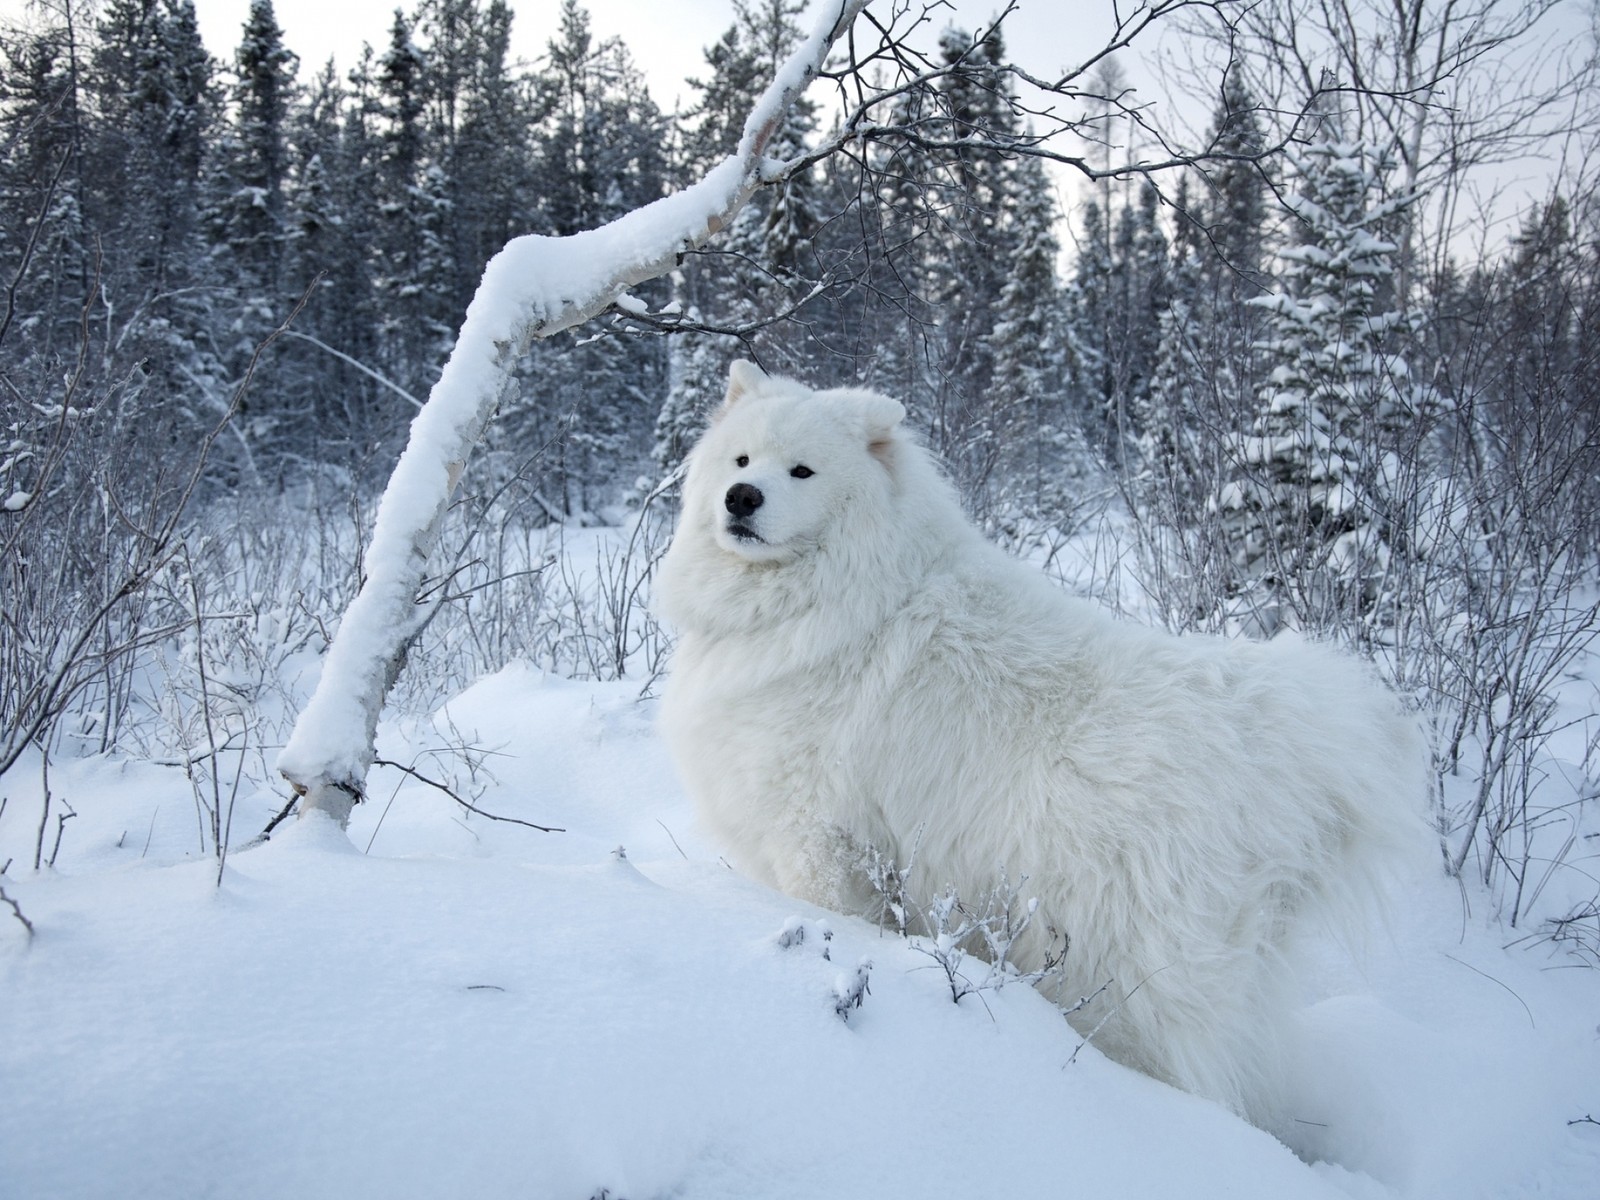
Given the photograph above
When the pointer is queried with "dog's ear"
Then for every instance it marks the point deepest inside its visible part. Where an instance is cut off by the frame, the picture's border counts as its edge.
(882, 417)
(743, 378)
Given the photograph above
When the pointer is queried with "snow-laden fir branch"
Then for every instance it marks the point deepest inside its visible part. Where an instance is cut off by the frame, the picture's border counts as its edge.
(535, 287)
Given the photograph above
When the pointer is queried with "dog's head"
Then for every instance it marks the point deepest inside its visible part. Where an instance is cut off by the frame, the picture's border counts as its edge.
(782, 465)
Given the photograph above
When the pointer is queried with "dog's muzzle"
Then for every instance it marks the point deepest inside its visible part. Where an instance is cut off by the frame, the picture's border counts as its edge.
(741, 501)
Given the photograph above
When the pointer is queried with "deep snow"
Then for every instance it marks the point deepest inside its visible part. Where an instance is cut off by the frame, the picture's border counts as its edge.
(477, 1009)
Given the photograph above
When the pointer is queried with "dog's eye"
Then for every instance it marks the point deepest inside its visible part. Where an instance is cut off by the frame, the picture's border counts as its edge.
(802, 472)
(742, 461)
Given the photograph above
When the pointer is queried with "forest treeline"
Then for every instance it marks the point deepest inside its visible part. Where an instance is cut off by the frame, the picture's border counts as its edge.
(162, 213)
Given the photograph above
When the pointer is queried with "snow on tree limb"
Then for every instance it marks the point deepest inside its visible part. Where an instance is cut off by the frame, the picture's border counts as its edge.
(535, 287)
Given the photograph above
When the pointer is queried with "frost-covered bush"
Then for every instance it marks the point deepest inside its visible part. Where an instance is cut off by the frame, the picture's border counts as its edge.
(969, 940)
(1442, 526)
(204, 665)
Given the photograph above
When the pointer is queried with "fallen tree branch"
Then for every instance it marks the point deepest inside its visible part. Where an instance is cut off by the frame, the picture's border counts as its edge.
(534, 288)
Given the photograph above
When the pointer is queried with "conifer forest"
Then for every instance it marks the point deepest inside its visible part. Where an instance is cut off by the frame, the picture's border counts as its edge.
(1321, 357)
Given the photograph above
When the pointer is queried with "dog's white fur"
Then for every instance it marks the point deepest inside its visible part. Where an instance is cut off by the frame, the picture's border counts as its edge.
(858, 667)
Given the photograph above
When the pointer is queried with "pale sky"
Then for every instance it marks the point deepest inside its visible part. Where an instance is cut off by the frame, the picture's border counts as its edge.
(665, 37)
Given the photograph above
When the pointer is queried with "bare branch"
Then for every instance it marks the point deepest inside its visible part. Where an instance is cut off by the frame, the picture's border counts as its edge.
(16, 911)
(459, 799)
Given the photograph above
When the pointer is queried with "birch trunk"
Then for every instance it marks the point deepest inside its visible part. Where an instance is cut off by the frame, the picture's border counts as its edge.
(534, 288)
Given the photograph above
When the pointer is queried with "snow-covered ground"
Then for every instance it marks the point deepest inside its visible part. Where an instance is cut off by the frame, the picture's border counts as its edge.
(442, 1005)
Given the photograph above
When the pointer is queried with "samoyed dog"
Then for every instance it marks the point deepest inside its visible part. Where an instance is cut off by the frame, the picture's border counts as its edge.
(857, 667)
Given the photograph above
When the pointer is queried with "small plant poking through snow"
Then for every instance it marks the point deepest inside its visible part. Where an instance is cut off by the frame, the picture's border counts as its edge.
(954, 933)
(850, 990)
(889, 883)
(796, 930)
(992, 927)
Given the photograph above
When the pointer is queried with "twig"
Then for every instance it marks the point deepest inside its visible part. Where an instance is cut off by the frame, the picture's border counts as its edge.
(277, 820)
(358, 365)
(17, 912)
(1497, 983)
(44, 816)
(1111, 1012)
(466, 804)
(61, 827)
(674, 840)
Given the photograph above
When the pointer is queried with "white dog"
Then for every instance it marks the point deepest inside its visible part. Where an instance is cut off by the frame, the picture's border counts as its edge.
(857, 667)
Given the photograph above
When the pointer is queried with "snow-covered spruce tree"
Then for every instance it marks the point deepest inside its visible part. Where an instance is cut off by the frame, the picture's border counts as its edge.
(1167, 413)
(1310, 504)
(1033, 358)
(334, 232)
(1089, 316)
(536, 287)
(929, 249)
(142, 149)
(1232, 205)
(247, 184)
(1121, 282)
(1225, 237)
(902, 221)
(258, 158)
(969, 257)
(45, 254)
(1140, 295)
(400, 81)
(1203, 386)
(765, 262)
(601, 138)
(492, 163)
(697, 373)
(791, 211)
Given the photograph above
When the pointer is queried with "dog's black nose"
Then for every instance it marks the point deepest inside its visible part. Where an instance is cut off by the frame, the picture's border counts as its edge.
(743, 499)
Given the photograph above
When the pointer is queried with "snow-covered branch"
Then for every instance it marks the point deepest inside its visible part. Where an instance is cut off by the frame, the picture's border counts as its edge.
(535, 287)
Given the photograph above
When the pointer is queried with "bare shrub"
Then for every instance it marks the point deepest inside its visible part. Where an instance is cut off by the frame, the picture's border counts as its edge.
(1479, 604)
(971, 941)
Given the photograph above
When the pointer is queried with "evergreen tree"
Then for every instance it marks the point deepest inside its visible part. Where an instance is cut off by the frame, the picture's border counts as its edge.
(152, 107)
(792, 213)
(713, 123)
(767, 260)
(696, 378)
(246, 196)
(601, 144)
(903, 229)
(767, 257)
(1205, 368)
(1141, 296)
(258, 152)
(1183, 378)
(1234, 209)
(1121, 289)
(492, 168)
(969, 271)
(1311, 509)
(1541, 321)
(47, 245)
(1092, 318)
(402, 141)
(1033, 358)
